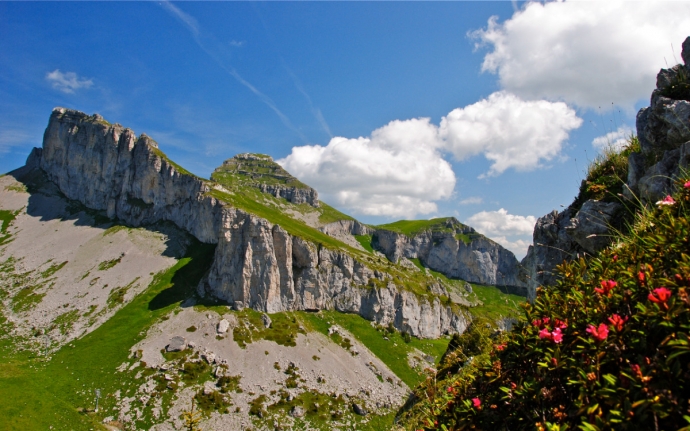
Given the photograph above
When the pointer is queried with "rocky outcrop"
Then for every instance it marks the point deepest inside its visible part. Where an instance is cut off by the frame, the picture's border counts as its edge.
(342, 228)
(663, 130)
(479, 260)
(106, 167)
(293, 195)
(263, 173)
(256, 264)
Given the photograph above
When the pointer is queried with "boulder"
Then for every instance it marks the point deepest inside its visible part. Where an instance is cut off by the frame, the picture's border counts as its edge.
(223, 326)
(177, 344)
(590, 226)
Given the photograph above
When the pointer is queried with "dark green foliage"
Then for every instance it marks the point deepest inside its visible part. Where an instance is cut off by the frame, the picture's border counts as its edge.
(620, 360)
(213, 401)
(194, 371)
(229, 384)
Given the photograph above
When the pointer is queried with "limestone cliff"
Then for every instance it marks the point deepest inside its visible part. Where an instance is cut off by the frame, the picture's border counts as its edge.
(663, 131)
(457, 251)
(257, 263)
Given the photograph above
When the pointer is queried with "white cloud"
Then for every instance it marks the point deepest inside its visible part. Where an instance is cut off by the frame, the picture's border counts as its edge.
(397, 171)
(474, 200)
(501, 223)
(615, 140)
(513, 232)
(67, 82)
(509, 131)
(590, 53)
(237, 43)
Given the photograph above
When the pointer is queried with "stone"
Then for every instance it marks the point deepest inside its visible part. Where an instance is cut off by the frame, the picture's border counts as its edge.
(297, 412)
(177, 344)
(223, 326)
(266, 320)
(590, 226)
(209, 357)
(468, 287)
(360, 410)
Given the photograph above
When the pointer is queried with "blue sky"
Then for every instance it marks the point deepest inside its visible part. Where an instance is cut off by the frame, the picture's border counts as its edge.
(486, 111)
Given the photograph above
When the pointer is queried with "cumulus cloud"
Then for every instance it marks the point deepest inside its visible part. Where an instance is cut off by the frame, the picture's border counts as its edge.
(474, 200)
(509, 131)
(590, 53)
(67, 82)
(398, 171)
(615, 140)
(511, 231)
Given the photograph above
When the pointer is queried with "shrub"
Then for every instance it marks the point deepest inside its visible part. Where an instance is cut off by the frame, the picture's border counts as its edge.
(607, 347)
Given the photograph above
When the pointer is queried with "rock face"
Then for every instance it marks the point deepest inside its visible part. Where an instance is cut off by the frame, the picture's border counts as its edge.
(257, 264)
(663, 130)
(479, 260)
(346, 227)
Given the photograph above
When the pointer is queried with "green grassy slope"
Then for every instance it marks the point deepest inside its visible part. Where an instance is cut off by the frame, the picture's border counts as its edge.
(38, 394)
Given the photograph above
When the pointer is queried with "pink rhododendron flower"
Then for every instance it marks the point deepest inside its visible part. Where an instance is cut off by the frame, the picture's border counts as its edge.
(617, 322)
(659, 295)
(668, 200)
(598, 333)
(557, 336)
(545, 333)
(559, 324)
(606, 287)
(687, 185)
(477, 403)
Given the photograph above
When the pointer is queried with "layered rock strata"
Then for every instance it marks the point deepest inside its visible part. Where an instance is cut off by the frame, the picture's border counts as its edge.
(257, 264)
(663, 130)
(478, 260)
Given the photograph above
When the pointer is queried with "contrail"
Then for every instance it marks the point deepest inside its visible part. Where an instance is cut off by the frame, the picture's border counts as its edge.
(193, 26)
(314, 110)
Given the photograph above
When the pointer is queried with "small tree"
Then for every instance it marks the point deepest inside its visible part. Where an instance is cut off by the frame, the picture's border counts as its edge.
(191, 419)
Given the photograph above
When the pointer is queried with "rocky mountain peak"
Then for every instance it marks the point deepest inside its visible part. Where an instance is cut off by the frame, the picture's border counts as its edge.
(260, 171)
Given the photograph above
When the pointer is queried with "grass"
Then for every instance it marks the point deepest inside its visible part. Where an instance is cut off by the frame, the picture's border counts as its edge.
(392, 352)
(6, 217)
(253, 200)
(262, 171)
(330, 214)
(496, 304)
(53, 269)
(365, 240)
(283, 330)
(413, 227)
(105, 265)
(51, 392)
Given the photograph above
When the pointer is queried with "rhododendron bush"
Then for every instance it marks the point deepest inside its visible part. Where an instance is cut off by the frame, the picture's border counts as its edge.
(608, 347)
